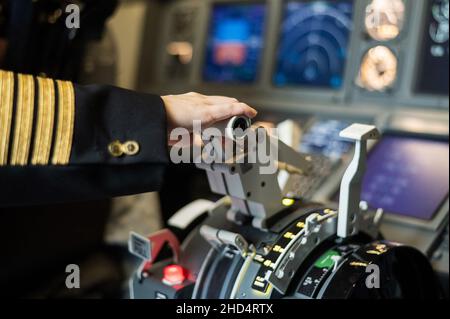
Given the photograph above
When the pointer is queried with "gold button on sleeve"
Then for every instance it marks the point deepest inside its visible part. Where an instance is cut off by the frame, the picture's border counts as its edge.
(115, 149)
(131, 148)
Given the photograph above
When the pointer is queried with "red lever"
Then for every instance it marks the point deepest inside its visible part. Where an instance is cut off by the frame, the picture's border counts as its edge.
(158, 240)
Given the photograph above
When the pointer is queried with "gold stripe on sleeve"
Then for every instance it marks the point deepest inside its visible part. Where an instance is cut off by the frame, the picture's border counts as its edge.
(65, 126)
(6, 113)
(24, 120)
(45, 122)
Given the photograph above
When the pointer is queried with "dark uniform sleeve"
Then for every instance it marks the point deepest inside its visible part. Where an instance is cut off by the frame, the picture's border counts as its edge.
(61, 142)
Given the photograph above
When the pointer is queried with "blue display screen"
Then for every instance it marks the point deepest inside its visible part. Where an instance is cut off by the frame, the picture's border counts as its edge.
(407, 176)
(235, 43)
(323, 138)
(314, 43)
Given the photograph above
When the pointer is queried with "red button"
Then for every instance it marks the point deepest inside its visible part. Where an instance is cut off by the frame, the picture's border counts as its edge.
(174, 275)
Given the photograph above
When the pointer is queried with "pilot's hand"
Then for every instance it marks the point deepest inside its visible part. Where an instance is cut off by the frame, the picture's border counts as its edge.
(183, 109)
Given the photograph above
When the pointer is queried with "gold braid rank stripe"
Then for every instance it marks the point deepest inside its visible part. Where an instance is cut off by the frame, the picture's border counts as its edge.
(66, 120)
(45, 122)
(24, 120)
(6, 113)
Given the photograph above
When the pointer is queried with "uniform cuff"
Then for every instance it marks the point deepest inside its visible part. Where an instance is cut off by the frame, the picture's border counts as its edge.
(118, 127)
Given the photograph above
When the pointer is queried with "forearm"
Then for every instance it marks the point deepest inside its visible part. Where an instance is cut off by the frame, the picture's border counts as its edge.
(63, 142)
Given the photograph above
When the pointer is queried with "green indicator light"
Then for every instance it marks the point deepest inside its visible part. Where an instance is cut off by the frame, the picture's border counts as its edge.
(326, 260)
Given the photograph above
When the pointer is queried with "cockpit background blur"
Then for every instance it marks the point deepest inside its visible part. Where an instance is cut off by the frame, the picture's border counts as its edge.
(320, 64)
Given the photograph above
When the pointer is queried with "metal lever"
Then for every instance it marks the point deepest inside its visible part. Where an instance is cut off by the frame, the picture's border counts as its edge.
(253, 186)
(232, 129)
(219, 237)
(350, 195)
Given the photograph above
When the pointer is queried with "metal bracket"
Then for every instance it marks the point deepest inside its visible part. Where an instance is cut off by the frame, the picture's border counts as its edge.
(350, 195)
(253, 194)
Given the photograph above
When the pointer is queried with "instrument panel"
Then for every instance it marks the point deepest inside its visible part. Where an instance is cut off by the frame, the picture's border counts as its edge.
(309, 55)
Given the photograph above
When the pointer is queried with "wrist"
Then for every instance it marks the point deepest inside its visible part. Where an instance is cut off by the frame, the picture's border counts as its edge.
(169, 112)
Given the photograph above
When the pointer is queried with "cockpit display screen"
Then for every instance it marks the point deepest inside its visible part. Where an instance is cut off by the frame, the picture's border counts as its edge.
(433, 75)
(235, 43)
(407, 176)
(314, 44)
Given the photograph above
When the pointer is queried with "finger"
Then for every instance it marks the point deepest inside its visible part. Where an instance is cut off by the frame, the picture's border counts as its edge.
(221, 100)
(243, 109)
(222, 112)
